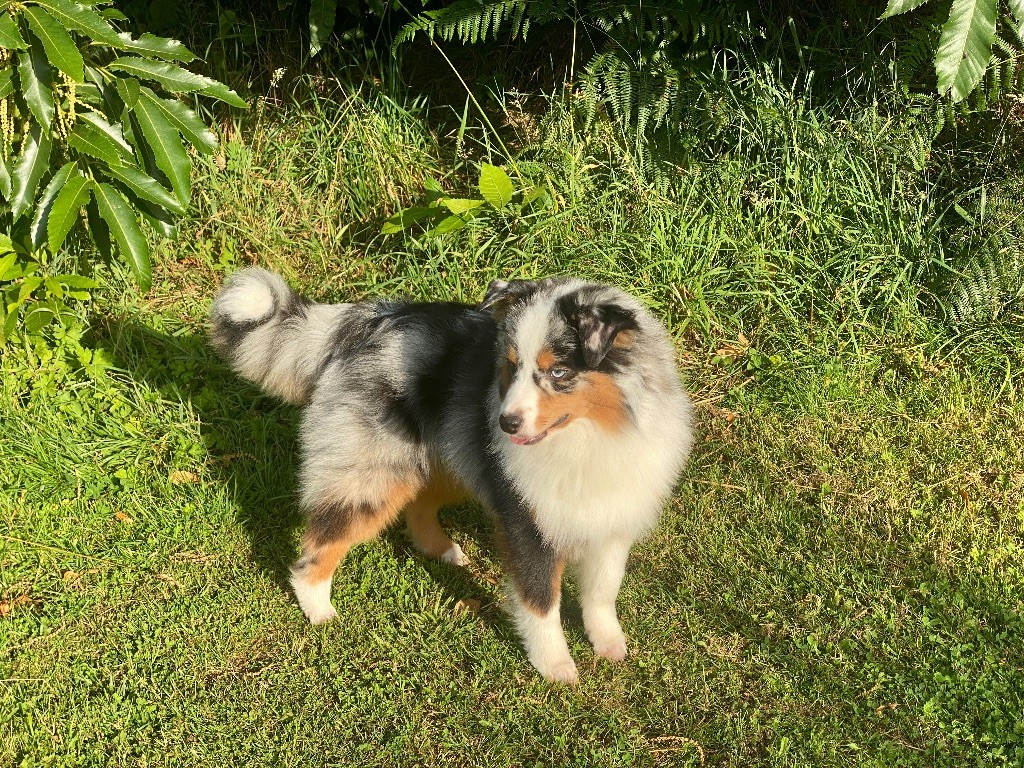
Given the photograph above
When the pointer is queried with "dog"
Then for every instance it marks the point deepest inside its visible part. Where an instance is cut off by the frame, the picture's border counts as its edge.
(556, 403)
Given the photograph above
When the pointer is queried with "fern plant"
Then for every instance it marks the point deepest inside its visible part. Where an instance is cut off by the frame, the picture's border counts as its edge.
(980, 43)
(89, 122)
(643, 52)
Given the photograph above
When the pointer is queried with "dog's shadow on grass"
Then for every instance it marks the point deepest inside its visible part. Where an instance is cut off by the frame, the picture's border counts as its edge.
(251, 445)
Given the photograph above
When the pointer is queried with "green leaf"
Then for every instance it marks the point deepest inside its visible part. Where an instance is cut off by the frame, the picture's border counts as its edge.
(10, 36)
(175, 78)
(5, 180)
(6, 246)
(81, 19)
(6, 262)
(99, 232)
(125, 230)
(33, 78)
(77, 282)
(60, 48)
(460, 205)
(450, 224)
(404, 218)
(151, 45)
(6, 82)
(897, 7)
(159, 219)
(1017, 9)
(321, 23)
(37, 232)
(112, 132)
(38, 317)
(87, 138)
(145, 186)
(495, 185)
(128, 90)
(186, 121)
(69, 202)
(168, 152)
(965, 46)
(34, 160)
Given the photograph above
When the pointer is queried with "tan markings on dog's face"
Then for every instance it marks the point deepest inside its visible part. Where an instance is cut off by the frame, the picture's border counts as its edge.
(595, 396)
(546, 360)
(505, 374)
(623, 340)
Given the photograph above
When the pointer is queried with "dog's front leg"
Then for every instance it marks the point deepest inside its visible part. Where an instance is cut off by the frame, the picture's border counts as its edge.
(600, 575)
(536, 589)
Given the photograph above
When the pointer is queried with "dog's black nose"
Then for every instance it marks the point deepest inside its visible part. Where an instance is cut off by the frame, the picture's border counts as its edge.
(510, 422)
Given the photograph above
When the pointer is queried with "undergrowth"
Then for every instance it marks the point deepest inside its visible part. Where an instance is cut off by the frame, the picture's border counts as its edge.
(836, 581)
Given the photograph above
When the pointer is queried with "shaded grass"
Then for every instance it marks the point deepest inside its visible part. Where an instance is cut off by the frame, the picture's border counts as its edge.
(837, 580)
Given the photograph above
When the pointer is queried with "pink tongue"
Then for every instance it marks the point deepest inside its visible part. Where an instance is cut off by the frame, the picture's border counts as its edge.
(523, 440)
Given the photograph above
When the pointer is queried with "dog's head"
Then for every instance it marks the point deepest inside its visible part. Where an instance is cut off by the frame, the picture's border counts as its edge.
(563, 345)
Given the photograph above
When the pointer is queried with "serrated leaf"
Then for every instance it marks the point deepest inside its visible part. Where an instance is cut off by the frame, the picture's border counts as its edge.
(99, 233)
(965, 46)
(10, 324)
(404, 218)
(5, 180)
(6, 262)
(159, 219)
(186, 121)
(168, 152)
(128, 89)
(6, 246)
(37, 232)
(61, 50)
(897, 7)
(449, 224)
(77, 282)
(28, 287)
(321, 23)
(175, 78)
(33, 78)
(6, 82)
(112, 132)
(89, 139)
(151, 45)
(460, 204)
(65, 211)
(81, 19)
(145, 187)
(132, 244)
(29, 169)
(38, 317)
(1017, 9)
(10, 35)
(495, 185)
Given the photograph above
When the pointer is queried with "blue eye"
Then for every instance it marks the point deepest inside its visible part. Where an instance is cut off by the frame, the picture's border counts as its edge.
(558, 373)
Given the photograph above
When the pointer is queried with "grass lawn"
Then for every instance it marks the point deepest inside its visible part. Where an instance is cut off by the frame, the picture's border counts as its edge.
(837, 581)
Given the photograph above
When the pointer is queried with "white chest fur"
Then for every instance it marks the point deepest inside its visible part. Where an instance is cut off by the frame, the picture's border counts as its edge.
(587, 486)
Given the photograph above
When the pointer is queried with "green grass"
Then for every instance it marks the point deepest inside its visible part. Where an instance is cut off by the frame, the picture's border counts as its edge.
(837, 581)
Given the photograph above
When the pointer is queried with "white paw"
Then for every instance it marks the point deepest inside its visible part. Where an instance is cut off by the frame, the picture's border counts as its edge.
(557, 670)
(608, 640)
(455, 555)
(321, 615)
(314, 599)
(614, 649)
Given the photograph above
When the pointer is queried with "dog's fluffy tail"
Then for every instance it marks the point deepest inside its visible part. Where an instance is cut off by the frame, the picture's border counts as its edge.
(271, 335)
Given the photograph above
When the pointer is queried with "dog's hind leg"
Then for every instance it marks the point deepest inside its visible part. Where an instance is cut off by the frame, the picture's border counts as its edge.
(421, 519)
(333, 527)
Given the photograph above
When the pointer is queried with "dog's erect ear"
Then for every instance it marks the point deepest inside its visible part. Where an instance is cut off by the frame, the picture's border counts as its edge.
(501, 294)
(598, 325)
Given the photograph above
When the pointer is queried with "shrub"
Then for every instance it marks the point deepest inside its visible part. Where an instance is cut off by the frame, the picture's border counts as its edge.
(88, 121)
